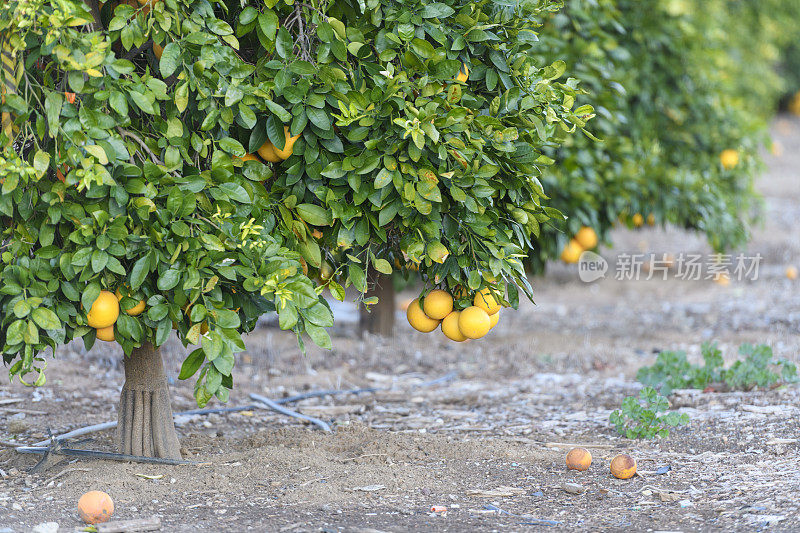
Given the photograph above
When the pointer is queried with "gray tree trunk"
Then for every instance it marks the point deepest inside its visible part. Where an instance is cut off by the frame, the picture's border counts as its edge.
(145, 414)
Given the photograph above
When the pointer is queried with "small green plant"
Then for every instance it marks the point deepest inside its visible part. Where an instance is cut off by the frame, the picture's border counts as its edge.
(672, 370)
(640, 418)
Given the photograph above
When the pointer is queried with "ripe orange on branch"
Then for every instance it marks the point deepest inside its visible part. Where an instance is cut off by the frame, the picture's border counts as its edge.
(104, 311)
(729, 159)
(485, 300)
(136, 310)
(450, 327)
(418, 319)
(572, 252)
(586, 237)
(288, 148)
(438, 304)
(474, 322)
(106, 334)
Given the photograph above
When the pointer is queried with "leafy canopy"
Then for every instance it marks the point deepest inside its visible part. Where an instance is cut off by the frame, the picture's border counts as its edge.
(123, 170)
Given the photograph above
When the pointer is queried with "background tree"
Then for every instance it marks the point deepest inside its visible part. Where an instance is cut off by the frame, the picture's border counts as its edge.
(386, 133)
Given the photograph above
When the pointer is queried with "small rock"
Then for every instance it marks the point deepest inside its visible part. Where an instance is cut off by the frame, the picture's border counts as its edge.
(573, 488)
(369, 488)
(46, 527)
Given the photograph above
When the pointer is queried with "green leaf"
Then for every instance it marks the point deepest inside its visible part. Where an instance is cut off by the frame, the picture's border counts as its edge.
(319, 118)
(139, 272)
(422, 48)
(382, 266)
(314, 214)
(279, 112)
(169, 279)
(318, 314)
(170, 59)
(287, 316)
(192, 364)
(436, 10)
(319, 336)
(357, 276)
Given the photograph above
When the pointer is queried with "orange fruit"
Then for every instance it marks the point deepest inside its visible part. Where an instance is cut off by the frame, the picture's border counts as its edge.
(729, 158)
(136, 310)
(248, 157)
(638, 220)
(586, 237)
(437, 304)
(267, 153)
(651, 219)
(450, 327)
(463, 73)
(494, 319)
(104, 311)
(95, 507)
(791, 272)
(288, 147)
(418, 319)
(474, 322)
(572, 252)
(579, 459)
(623, 466)
(70, 97)
(485, 300)
(106, 334)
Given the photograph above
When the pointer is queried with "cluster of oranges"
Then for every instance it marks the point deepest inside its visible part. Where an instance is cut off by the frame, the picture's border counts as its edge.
(622, 466)
(585, 239)
(437, 309)
(105, 312)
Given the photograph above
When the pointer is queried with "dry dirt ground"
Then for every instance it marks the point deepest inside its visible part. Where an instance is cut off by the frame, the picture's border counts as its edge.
(485, 440)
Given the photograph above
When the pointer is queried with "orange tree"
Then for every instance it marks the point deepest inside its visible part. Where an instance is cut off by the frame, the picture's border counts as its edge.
(182, 165)
(126, 212)
(680, 119)
(423, 132)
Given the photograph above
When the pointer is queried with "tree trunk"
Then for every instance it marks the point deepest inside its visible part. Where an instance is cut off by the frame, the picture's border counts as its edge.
(145, 415)
(379, 320)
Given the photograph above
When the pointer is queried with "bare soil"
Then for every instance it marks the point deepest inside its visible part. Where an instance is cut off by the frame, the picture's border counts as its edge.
(488, 440)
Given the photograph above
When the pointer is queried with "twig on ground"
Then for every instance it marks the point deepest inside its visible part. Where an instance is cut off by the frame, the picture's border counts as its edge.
(7, 401)
(20, 410)
(65, 471)
(288, 412)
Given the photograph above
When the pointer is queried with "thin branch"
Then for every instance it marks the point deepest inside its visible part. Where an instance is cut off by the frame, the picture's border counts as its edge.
(131, 135)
